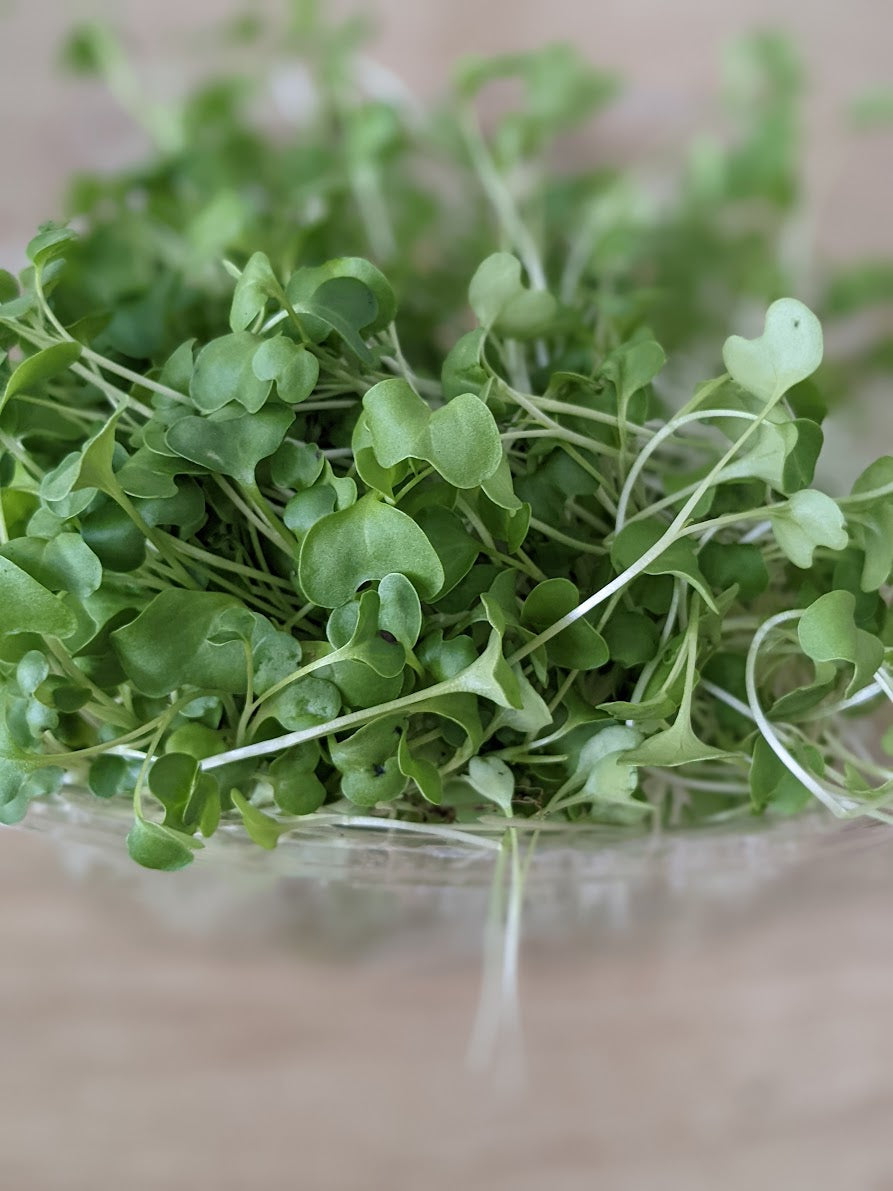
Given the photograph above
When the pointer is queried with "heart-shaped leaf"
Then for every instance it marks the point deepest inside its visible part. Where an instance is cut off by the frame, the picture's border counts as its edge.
(224, 372)
(294, 369)
(808, 520)
(789, 350)
(306, 283)
(493, 780)
(365, 542)
(296, 788)
(92, 467)
(579, 646)
(461, 439)
(828, 633)
(632, 367)
(502, 302)
(158, 661)
(233, 447)
(368, 764)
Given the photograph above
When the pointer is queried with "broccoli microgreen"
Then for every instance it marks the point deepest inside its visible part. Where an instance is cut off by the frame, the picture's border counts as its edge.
(284, 537)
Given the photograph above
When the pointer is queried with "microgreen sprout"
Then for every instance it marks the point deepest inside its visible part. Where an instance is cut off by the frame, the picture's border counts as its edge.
(326, 499)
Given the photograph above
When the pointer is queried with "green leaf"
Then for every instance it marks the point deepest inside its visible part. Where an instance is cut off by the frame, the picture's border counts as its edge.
(491, 677)
(424, 773)
(92, 467)
(172, 779)
(795, 703)
(493, 780)
(296, 464)
(365, 542)
(462, 370)
(677, 745)
(461, 439)
(400, 613)
(43, 365)
(726, 563)
(454, 545)
(50, 243)
(117, 542)
(195, 740)
(355, 630)
(343, 305)
(12, 303)
(304, 704)
(21, 781)
(828, 633)
(31, 671)
(808, 520)
(367, 761)
(789, 350)
(498, 488)
(155, 846)
(108, 775)
(631, 638)
(679, 558)
(263, 829)
(296, 788)
(256, 285)
(579, 646)
(306, 284)
(158, 660)
(501, 302)
(64, 563)
(784, 454)
(294, 369)
(224, 372)
(660, 707)
(610, 774)
(27, 607)
(377, 478)
(445, 659)
(234, 447)
(772, 785)
(871, 523)
(633, 366)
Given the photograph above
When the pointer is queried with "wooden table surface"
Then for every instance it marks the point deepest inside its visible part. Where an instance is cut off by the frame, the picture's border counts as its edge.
(155, 1037)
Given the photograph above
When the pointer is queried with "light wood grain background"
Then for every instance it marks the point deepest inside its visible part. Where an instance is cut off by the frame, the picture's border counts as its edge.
(670, 53)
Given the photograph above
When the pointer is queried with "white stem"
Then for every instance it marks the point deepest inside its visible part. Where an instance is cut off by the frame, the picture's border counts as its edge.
(838, 805)
(662, 435)
(725, 697)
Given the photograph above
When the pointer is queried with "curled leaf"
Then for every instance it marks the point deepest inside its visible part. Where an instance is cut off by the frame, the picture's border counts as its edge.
(809, 519)
(502, 302)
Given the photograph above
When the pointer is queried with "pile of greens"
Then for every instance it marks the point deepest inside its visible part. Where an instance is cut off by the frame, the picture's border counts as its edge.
(288, 536)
